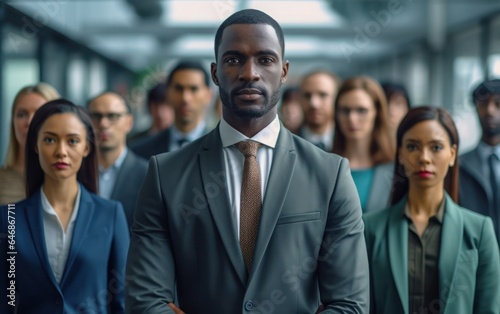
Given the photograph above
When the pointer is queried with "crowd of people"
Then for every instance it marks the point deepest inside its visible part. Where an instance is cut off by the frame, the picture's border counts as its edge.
(334, 196)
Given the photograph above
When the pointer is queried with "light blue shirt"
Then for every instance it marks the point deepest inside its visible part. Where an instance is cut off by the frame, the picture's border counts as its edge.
(176, 135)
(234, 161)
(58, 241)
(107, 177)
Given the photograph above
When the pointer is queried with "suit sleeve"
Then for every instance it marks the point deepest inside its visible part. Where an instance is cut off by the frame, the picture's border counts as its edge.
(118, 259)
(487, 296)
(150, 275)
(342, 262)
(369, 249)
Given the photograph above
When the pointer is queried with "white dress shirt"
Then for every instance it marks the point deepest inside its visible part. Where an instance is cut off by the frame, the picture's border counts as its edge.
(234, 161)
(57, 241)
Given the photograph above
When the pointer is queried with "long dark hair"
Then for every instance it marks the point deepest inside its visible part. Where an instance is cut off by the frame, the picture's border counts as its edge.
(400, 184)
(34, 175)
(382, 144)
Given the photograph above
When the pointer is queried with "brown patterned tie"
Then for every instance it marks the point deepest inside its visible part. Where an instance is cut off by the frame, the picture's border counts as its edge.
(251, 201)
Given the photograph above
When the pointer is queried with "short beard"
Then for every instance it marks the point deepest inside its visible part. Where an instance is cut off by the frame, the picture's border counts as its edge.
(489, 132)
(269, 103)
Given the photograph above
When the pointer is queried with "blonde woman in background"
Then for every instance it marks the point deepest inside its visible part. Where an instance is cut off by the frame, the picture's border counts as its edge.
(26, 102)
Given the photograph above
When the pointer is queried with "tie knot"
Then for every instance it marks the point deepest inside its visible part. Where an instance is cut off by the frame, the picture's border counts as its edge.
(248, 148)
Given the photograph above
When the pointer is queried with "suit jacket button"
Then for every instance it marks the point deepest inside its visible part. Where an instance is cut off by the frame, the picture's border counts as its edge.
(249, 305)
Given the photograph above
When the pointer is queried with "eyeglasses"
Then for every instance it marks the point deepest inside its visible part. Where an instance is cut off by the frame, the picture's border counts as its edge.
(112, 116)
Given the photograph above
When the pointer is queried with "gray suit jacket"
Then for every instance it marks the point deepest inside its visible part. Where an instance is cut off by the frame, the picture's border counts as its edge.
(310, 244)
(474, 189)
(128, 183)
(380, 190)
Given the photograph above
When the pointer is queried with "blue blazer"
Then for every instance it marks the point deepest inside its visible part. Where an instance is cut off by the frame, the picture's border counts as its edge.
(93, 278)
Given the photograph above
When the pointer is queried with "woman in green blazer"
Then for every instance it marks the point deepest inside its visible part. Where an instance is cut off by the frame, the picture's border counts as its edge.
(427, 254)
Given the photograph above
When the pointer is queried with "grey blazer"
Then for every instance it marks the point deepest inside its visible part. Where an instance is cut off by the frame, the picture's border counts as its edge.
(128, 183)
(310, 244)
(380, 191)
(474, 189)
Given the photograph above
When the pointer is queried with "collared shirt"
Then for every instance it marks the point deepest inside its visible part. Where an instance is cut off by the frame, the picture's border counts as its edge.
(423, 264)
(58, 241)
(179, 139)
(234, 161)
(326, 138)
(107, 177)
(485, 151)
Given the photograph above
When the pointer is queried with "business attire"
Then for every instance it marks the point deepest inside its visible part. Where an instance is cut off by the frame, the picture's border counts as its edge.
(323, 141)
(11, 186)
(122, 181)
(166, 141)
(81, 271)
(374, 186)
(309, 246)
(476, 191)
(455, 271)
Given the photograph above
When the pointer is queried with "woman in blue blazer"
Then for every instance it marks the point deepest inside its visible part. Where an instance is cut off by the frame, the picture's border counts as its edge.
(427, 254)
(64, 248)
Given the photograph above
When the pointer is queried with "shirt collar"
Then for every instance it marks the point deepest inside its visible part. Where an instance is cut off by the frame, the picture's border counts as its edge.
(267, 136)
(326, 137)
(485, 150)
(118, 162)
(196, 133)
(47, 208)
(439, 215)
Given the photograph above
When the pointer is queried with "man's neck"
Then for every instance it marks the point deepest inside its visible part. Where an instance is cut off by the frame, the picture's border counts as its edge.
(248, 126)
(491, 140)
(108, 157)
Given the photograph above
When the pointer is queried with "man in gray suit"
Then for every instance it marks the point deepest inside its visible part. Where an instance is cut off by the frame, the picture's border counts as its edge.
(120, 171)
(249, 218)
(479, 187)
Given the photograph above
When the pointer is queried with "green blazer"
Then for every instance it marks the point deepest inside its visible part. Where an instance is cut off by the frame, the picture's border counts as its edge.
(469, 261)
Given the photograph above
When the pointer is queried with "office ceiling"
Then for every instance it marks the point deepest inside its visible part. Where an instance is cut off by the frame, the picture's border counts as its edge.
(142, 33)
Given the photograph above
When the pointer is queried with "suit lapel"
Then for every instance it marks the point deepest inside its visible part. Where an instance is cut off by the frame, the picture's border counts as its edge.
(451, 241)
(284, 158)
(212, 163)
(121, 181)
(398, 251)
(472, 164)
(35, 222)
(82, 223)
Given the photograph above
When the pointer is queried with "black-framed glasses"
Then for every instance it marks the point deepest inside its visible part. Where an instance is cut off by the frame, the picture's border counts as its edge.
(111, 116)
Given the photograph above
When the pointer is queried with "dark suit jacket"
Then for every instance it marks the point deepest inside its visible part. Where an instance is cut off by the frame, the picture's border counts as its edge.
(128, 183)
(310, 245)
(469, 261)
(95, 268)
(474, 188)
(152, 145)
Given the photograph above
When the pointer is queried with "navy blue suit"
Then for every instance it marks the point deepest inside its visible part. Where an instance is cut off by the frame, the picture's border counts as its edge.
(93, 278)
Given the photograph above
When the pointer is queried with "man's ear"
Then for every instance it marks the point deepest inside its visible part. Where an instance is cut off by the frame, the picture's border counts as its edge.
(284, 71)
(213, 72)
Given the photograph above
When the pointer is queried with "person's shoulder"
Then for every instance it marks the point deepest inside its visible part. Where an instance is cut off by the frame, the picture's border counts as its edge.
(138, 161)
(469, 156)
(308, 150)
(102, 204)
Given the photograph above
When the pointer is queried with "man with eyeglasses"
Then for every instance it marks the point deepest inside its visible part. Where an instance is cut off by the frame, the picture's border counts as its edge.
(479, 184)
(120, 170)
(189, 93)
